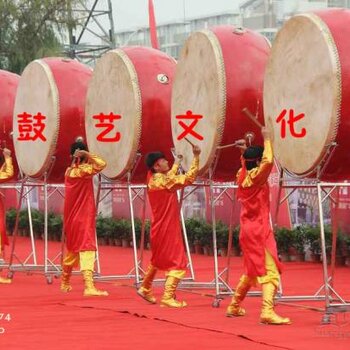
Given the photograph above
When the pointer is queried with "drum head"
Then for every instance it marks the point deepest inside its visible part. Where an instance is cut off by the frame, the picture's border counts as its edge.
(199, 89)
(36, 93)
(114, 90)
(302, 79)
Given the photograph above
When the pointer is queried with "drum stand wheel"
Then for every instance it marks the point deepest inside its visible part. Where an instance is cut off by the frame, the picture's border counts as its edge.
(326, 318)
(216, 302)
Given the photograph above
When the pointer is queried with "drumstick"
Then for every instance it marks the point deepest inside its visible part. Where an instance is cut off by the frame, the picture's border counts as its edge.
(227, 146)
(192, 144)
(247, 112)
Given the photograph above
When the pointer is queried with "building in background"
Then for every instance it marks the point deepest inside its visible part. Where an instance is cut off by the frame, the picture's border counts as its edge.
(172, 35)
(264, 16)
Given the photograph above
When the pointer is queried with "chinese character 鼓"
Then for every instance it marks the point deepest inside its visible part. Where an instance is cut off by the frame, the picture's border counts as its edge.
(189, 129)
(31, 127)
(106, 121)
(291, 120)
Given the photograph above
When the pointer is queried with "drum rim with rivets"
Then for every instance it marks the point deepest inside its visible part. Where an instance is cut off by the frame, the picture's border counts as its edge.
(290, 84)
(129, 82)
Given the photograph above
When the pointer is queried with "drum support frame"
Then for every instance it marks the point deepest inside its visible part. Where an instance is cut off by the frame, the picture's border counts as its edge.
(32, 254)
(138, 192)
(334, 303)
(49, 268)
(220, 282)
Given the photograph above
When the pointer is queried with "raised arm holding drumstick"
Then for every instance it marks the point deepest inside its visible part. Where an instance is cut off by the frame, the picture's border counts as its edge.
(256, 236)
(168, 252)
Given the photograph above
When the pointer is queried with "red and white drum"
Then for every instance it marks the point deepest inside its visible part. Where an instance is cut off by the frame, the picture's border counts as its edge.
(8, 87)
(307, 94)
(48, 115)
(128, 109)
(219, 73)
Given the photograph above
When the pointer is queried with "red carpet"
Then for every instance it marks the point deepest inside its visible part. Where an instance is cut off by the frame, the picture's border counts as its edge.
(44, 318)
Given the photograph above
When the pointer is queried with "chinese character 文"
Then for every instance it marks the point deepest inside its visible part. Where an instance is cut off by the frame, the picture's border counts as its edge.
(291, 120)
(30, 128)
(189, 129)
(106, 122)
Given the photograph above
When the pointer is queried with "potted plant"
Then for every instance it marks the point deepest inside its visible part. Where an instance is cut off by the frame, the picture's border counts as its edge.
(10, 220)
(147, 234)
(124, 228)
(297, 253)
(222, 237)
(23, 223)
(193, 229)
(100, 230)
(312, 237)
(205, 236)
(114, 233)
(340, 256)
(340, 251)
(55, 226)
(284, 239)
(347, 245)
(235, 249)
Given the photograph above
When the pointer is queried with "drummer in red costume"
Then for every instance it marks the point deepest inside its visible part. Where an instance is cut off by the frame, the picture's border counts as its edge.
(168, 252)
(79, 218)
(6, 172)
(256, 236)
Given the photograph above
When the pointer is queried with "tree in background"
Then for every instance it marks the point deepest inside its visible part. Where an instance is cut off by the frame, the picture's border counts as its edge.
(31, 29)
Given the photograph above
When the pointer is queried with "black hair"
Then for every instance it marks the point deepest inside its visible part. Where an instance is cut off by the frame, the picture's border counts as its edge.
(151, 159)
(78, 145)
(251, 155)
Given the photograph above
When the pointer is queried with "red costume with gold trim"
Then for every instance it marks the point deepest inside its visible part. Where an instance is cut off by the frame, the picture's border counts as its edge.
(6, 172)
(257, 240)
(79, 205)
(167, 245)
(80, 223)
(256, 234)
(168, 251)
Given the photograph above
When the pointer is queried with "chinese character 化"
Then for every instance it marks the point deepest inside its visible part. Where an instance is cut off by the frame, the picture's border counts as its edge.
(291, 120)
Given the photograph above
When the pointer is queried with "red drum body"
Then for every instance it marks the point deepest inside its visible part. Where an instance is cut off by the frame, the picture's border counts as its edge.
(8, 88)
(49, 114)
(128, 109)
(307, 95)
(219, 73)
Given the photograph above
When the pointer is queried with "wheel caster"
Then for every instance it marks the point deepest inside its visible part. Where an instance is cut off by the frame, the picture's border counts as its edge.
(49, 279)
(326, 319)
(10, 274)
(216, 303)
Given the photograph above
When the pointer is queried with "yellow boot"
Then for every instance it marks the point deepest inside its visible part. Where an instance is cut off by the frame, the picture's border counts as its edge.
(172, 280)
(90, 289)
(268, 315)
(4, 280)
(145, 291)
(65, 278)
(234, 309)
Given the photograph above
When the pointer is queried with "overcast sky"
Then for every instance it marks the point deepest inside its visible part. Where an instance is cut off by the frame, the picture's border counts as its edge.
(130, 14)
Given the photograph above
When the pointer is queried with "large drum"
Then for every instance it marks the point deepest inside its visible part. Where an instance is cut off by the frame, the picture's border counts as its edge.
(128, 109)
(8, 88)
(307, 95)
(48, 115)
(219, 73)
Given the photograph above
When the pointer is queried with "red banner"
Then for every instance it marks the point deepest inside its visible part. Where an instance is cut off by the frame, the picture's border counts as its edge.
(152, 25)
